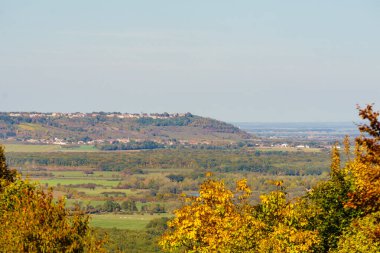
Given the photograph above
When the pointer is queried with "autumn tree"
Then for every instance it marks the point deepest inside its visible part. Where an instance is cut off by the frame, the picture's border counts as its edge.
(363, 234)
(348, 203)
(365, 168)
(213, 222)
(220, 220)
(287, 225)
(329, 200)
(32, 221)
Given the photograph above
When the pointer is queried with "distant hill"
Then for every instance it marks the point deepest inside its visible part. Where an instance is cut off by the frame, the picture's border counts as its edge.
(117, 128)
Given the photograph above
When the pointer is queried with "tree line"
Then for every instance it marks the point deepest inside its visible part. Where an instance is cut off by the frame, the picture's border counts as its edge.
(242, 160)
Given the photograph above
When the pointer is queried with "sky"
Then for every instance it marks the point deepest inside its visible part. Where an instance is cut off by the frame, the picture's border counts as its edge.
(237, 61)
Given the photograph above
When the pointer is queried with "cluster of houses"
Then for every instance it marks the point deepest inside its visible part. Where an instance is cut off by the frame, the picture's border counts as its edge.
(286, 145)
(96, 114)
(60, 141)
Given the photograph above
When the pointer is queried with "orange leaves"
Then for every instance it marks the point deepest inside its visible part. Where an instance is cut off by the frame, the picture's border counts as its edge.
(365, 167)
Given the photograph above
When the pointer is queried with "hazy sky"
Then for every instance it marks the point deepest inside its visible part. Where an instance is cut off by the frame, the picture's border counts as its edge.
(230, 60)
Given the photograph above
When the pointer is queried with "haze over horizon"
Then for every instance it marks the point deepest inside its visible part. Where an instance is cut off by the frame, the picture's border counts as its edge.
(271, 61)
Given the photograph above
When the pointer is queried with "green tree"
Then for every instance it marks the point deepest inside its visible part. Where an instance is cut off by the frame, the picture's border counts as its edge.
(347, 201)
(111, 206)
(129, 205)
(363, 235)
(5, 173)
(156, 227)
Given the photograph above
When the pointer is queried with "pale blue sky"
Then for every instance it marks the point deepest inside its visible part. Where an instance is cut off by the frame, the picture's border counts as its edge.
(230, 60)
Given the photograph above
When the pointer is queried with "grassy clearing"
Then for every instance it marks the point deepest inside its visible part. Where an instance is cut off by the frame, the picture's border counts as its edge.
(81, 148)
(55, 182)
(33, 148)
(166, 170)
(99, 190)
(83, 202)
(290, 149)
(81, 175)
(123, 221)
(30, 127)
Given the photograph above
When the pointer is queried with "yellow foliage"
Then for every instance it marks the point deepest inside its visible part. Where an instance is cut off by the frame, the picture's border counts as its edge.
(335, 161)
(339, 215)
(362, 236)
(31, 221)
(365, 168)
(220, 220)
(366, 193)
(288, 239)
(212, 222)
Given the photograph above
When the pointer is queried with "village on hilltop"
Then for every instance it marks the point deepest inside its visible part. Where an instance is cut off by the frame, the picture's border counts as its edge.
(119, 115)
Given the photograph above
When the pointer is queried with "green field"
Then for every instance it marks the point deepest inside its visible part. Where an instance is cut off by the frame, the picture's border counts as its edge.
(103, 182)
(99, 190)
(289, 149)
(149, 178)
(80, 174)
(81, 148)
(73, 202)
(124, 221)
(31, 148)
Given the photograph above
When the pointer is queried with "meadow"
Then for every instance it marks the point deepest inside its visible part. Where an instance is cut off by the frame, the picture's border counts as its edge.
(124, 221)
(125, 191)
(144, 178)
(26, 148)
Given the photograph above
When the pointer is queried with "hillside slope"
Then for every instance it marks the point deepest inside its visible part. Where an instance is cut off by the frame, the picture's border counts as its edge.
(95, 128)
